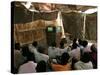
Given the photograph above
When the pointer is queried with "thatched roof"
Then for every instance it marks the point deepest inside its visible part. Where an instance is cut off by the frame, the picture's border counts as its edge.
(45, 11)
(50, 6)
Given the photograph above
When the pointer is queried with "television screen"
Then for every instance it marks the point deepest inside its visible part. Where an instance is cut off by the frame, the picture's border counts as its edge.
(50, 29)
(58, 29)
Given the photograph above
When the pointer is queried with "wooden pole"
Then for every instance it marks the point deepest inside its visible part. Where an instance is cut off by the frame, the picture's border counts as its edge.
(84, 26)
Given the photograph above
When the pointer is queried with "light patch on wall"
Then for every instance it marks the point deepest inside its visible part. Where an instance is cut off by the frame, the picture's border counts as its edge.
(27, 5)
(90, 11)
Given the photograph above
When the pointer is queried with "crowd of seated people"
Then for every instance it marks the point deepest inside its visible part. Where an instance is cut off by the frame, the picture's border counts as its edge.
(32, 58)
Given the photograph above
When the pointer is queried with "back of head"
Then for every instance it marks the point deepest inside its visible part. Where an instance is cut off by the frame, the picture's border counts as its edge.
(35, 43)
(53, 44)
(17, 46)
(85, 57)
(41, 49)
(41, 66)
(74, 40)
(85, 43)
(64, 40)
(30, 57)
(93, 48)
(61, 44)
(74, 45)
(25, 50)
(80, 42)
(64, 58)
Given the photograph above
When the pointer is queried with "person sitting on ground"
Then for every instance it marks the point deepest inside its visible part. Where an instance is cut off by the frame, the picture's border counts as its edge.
(74, 42)
(40, 54)
(93, 55)
(61, 49)
(18, 57)
(64, 40)
(52, 50)
(25, 51)
(66, 46)
(33, 46)
(75, 52)
(86, 47)
(29, 66)
(63, 65)
(41, 66)
(80, 43)
(84, 63)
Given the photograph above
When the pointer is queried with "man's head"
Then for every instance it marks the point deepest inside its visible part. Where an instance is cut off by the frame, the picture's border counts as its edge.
(35, 44)
(17, 46)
